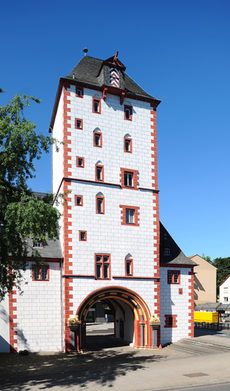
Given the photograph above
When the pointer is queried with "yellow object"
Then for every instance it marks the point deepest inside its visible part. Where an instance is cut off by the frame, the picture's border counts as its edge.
(207, 317)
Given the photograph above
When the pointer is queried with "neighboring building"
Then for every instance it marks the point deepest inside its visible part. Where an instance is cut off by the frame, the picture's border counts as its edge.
(110, 229)
(204, 281)
(224, 290)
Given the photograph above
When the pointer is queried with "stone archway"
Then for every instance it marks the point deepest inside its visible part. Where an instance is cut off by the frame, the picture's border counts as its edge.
(137, 328)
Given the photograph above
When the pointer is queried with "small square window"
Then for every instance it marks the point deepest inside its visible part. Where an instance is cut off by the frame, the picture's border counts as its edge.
(78, 200)
(128, 113)
(173, 277)
(167, 252)
(80, 162)
(83, 236)
(96, 106)
(97, 141)
(129, 178)
(78, 123)
(130, 215)
(79, 92)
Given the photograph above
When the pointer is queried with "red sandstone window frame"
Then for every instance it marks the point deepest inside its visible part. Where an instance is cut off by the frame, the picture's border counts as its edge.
(102, 205)
(173, 277)
(123, 180)
(102, 172)
(99, 105)
(130, 108)
(102, 264)
(81, 123)
(124, 211)
(77, 161)
(81, 238)
(81, 94)
(129, 261)
(80, 197)
(130, 141)
(39, 268)
(170, 321)
(100, 139)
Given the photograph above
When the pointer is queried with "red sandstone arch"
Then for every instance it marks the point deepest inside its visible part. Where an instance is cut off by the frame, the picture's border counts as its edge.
(141, 312)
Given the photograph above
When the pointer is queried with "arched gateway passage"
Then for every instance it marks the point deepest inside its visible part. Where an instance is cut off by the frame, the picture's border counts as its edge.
(131, 313)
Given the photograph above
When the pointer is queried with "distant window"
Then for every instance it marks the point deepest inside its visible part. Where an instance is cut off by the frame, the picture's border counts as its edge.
(99, 173)
(127, 145)
(128, 113)
(173, 277)
(129, 215)
(97, 139)
(225, 299)
(96, 105)
(170, 321)
(80, 162)
(78, 200)
(129, 178)
(79, 92)
(167, 252)
(128, 267)
(37, 243)
(100, 205)
(83, 236)
(78, 123)
(40, 273)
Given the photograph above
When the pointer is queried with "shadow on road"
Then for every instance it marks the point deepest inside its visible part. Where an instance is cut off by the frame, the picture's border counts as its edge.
(19, 372)
(99, 342)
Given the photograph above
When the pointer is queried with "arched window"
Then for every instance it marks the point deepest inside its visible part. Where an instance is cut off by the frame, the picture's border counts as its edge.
(100, 203)
(128, 265)
(97, 138)
(99, 172)
(128, 147)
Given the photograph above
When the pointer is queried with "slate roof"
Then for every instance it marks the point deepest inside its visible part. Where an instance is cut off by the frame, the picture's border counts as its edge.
(176, 256)
(87, 70)
(50, 249)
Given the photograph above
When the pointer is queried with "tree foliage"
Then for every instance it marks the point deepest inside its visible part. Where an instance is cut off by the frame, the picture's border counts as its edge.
(22, 215)
(223, 268)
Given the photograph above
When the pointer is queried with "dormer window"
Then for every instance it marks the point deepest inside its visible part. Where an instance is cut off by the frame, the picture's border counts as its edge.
(114, 78)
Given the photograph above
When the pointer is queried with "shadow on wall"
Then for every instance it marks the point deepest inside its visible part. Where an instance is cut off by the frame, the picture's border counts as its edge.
(4, 345)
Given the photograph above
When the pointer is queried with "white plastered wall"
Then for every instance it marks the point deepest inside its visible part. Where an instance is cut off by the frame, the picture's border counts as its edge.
(225, 292)
(39, 312)
(173, 303)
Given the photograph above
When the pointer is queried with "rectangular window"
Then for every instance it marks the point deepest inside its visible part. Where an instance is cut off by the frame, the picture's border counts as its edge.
(40, 273)
(80, 162)
(96, 106)
(128, 113)
(99, 173)
(173, 277)
(79, 92)
(225, 299)
(129, 178)
(78, 123)
(100, 205)
(102, 266)
(128, 145)
(37, 243)
(129, 267)
(129, 215)
(167, 252)
(78, 200)
(83, 236)
(170, 321)
(97, 139)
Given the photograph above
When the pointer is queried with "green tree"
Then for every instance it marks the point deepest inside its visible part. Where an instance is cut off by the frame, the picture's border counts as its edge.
(223, 268)
(207, 258)
(22, 215)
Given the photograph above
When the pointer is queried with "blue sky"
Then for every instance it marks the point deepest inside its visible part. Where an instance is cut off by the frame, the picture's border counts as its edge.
(177, 51)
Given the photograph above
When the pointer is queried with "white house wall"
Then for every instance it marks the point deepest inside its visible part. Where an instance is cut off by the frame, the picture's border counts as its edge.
(4, 326)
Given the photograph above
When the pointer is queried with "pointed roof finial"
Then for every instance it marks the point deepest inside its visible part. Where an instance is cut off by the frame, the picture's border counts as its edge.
(115, 57)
